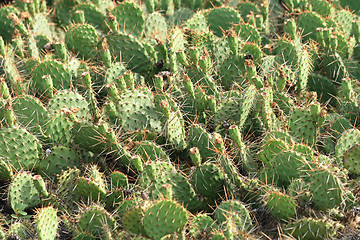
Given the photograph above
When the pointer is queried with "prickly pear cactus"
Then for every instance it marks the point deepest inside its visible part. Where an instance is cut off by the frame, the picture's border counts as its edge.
(179, 119)
(19, 148)
(23, 193)
(47, 223)
(164, 217)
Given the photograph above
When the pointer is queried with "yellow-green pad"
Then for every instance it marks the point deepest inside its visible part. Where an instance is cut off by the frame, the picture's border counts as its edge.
(95, 220)
(47, 223)
(18, 148)
(352, 159)
(164, 217)
(22, 192)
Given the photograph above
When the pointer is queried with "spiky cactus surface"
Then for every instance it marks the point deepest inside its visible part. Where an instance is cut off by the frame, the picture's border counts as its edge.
(179, 119)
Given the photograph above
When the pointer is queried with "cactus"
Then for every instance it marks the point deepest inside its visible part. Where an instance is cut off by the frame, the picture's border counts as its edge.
(132, 220)
(280, 205)
(47, 223)
(284, 164)
(137, 120)
(149, 151)
(59, 79)
(350, 159)
(170, 215)
(94, 222)
(201, 226)
(209, 181)
(57, 160)
(155, 26)
(221, 19)
(73, 101)
(201, 139)
(20, 200)
(20, 229)
(305, 126)
(130, 18)
(304, 228)
(17, 142)
(326, 188)
(92, 185)
(236, 211)
(57, 129)
(247, 33)
(31, 114)
(65, 193)
(122, 46)
(82, 39)
(158, 174)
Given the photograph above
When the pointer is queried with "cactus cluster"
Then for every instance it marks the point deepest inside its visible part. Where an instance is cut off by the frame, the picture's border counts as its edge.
(179, 119)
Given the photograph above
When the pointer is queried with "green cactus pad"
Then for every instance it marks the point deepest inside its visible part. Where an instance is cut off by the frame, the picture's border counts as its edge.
(174, 123)
(290, 165)
(198, 22)
(115, 71)
(30, 113)
(351, 159)
(327, 189)
(59, 159)
(95, 220)
(20, 229)
(58, 129)
(155, 26)
(222, 19)
(232, 70)
(130, 18)
(150, 151)
(254, 50)
(22, 192)
(164, 217)
(344, 19)
(309, 22)
(119, 180)
(347, 140)
(6, 172)
(94, 138)
(303, 127)
(92, 186)
(92, 14)
(198, 137)
(132, 220)
(128, 49)
(19, 148)
(209, 181)
(246, 8)
(312, 229)
(181, 16)
(7, 27)
(60, 76)
(201, 224)
(136, 111)
(70, 101)
(324, 87)
(247, 33)
(270, 149)
(47, 223)
(299, 189)
(281, 205)
(82, 40)
(164, 173)
(236, 106)
(236, 211)
(65, 188)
